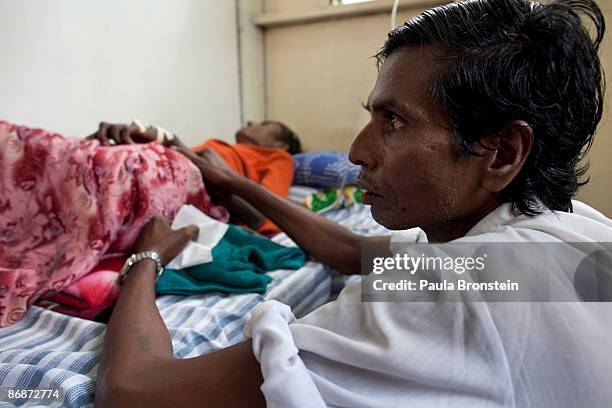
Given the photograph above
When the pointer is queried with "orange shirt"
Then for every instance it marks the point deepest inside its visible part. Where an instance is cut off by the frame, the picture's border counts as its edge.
(267, 166)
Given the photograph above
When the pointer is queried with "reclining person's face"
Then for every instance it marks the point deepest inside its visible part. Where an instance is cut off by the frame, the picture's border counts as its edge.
(264, 134)
(410, 164)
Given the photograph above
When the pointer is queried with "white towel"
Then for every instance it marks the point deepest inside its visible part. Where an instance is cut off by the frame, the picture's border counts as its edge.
(198, 251)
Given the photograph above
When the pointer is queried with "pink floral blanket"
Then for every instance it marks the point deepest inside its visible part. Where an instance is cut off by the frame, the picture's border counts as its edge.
(66, 202)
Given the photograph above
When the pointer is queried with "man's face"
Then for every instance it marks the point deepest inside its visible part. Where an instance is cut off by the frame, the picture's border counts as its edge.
(265, 134)
(409, 158)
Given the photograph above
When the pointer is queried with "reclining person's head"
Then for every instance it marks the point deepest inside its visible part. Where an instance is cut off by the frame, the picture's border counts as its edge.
(479, 103)
(270, 133)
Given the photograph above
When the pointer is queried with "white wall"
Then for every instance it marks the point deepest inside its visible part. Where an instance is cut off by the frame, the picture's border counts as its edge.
(65, 65)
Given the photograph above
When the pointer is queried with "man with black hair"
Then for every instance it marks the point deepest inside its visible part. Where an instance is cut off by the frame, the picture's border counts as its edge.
(481, 115)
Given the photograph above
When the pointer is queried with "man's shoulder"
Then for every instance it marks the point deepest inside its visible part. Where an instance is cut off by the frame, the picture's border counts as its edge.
(582, 224)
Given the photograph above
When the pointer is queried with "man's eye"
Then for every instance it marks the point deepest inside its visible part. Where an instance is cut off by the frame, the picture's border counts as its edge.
(394, 122)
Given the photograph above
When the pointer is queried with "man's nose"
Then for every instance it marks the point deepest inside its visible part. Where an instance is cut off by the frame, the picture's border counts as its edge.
(363, 151)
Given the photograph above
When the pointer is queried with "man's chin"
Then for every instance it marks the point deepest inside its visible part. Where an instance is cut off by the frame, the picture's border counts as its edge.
(391, 218)
(386, 217)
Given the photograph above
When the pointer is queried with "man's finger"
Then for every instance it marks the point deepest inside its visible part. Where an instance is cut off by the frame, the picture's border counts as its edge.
(178, 241)
(192, 231)
(186, 234)
(161, 218)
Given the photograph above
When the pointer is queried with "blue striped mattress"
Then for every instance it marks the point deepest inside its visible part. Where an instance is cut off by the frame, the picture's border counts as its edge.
(49, 350)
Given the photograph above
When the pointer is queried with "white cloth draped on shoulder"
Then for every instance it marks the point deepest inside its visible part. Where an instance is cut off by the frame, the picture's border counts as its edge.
(350, 353)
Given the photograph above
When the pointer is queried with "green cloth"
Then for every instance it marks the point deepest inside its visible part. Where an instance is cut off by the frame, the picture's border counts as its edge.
(239, 263)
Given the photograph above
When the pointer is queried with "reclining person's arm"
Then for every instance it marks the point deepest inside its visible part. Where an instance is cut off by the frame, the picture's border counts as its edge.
(239, 209)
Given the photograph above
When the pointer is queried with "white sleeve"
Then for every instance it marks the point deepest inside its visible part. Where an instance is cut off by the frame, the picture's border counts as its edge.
(434, 354)
(379, 355)
(287, 382)
(409, 235)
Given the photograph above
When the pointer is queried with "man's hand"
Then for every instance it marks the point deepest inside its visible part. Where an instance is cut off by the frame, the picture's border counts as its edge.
(215, 171)
(118, 133)
(159, 237)
(212, 158)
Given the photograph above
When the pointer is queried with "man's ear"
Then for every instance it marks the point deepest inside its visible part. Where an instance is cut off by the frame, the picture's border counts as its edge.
(505, 154)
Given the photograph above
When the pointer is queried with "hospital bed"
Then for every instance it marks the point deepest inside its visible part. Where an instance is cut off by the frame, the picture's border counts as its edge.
(49, 350)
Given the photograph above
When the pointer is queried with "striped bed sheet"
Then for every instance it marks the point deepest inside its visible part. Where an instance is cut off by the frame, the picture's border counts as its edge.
(49, 350)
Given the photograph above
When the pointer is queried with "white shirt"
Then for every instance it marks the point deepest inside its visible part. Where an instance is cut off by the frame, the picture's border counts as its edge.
(350, 353)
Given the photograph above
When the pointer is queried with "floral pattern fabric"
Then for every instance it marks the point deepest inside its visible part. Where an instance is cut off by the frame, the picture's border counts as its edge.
(66, 202)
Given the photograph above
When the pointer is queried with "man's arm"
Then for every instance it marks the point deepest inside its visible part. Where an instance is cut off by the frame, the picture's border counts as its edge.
(138, 367)
(325, 240)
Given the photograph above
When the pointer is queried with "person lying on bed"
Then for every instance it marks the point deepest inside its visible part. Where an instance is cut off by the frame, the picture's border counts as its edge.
(68, 203)
(262, 153)
(479, 118)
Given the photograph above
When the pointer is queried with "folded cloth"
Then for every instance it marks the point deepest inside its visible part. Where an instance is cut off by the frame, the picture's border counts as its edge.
(239, 262)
